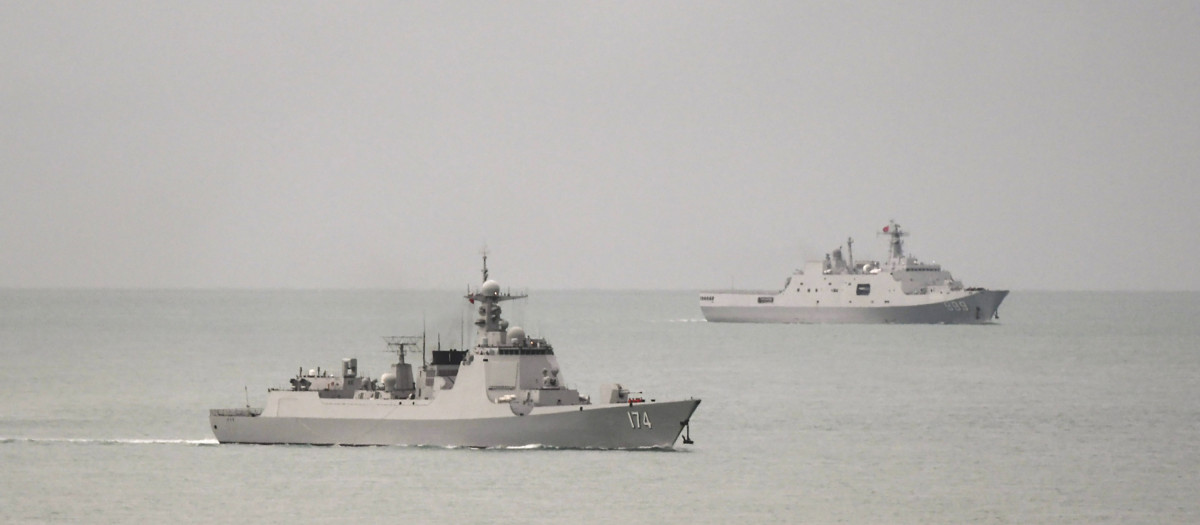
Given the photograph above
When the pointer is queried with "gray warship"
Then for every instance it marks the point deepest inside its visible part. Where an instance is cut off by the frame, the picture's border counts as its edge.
(838, 289)
(506, 391)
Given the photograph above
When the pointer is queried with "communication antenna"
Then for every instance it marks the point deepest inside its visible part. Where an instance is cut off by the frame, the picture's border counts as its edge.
(484, 253)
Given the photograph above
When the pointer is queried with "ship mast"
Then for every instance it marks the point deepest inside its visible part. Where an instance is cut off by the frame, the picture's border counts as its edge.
(484, 253)
(850, 252)
(896, 248)
(491, 327)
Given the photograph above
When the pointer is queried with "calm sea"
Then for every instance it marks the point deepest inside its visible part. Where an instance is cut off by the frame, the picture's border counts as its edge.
(1073, 408)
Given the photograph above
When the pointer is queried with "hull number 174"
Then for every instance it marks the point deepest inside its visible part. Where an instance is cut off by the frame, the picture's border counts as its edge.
(639, 422)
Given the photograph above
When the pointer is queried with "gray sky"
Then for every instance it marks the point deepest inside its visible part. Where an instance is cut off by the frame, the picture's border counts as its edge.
(1026, 145)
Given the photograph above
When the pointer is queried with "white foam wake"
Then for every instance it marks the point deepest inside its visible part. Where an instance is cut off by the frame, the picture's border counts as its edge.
(111, 441)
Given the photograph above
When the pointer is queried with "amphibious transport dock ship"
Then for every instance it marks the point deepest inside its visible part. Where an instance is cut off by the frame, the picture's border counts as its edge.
(507, 391)
(836, 290)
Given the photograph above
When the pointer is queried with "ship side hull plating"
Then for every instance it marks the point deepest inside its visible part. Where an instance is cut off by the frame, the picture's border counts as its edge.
(975, 307)
(610, 426)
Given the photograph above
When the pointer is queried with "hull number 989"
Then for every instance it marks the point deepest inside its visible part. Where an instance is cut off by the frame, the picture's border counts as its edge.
(639, 420)
(957, 306)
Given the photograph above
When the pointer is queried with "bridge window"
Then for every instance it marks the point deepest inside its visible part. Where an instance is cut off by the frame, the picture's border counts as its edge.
(863, 289)
(763, 300)
(526, 351)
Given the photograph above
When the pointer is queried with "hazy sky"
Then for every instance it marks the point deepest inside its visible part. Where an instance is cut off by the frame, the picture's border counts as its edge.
(1026, 145)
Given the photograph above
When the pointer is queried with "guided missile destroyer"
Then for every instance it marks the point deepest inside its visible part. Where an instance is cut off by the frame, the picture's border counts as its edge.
(902, 289)
(506, 391)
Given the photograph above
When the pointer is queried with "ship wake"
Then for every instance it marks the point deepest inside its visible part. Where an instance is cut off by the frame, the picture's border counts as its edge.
(110, 441)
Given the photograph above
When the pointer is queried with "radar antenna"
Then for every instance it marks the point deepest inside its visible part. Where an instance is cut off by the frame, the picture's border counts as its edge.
(401, 343)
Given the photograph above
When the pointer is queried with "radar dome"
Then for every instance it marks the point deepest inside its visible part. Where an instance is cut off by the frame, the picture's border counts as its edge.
(516, 335)
(389, 380)
(490, 288)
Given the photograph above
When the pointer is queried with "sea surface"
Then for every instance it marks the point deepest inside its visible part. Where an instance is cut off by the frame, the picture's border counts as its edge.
(1072, 408)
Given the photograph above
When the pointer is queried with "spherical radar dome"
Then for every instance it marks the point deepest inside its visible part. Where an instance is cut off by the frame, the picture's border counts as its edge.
(490, 288)
(516, 334)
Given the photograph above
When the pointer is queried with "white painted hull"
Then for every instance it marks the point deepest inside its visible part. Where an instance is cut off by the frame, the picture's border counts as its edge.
(608, 426)
(975, 307)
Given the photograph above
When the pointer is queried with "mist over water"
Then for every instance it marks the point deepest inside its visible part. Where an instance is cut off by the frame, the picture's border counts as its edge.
(1074, 408)
(614, 145)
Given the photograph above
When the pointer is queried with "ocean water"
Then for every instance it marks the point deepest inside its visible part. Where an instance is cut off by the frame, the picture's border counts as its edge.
(1073, 408)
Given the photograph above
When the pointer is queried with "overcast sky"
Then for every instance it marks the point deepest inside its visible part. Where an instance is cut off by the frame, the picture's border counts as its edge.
(626, 145)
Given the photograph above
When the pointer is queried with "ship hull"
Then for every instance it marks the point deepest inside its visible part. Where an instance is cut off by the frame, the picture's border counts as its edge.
(620, 426)
(974, 308)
